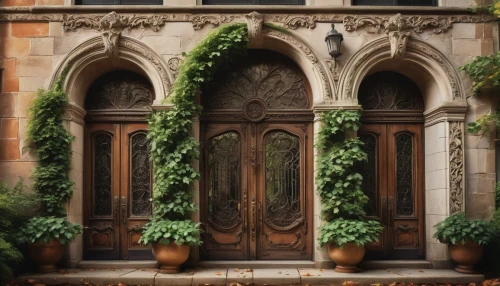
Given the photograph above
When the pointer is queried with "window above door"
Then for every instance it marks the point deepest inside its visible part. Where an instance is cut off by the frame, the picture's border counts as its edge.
(253, 2)
(394, 2)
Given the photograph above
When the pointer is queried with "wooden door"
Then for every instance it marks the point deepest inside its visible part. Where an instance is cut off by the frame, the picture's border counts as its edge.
(393, 180)
(256, 188)
(117, 191)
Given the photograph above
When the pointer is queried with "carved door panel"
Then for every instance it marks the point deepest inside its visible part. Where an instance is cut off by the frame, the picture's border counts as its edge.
(225, 198)
(282, 180)
(254, 199)
(395, 188)
(117, 191)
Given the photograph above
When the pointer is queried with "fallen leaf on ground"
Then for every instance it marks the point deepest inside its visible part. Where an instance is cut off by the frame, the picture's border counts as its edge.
(306, 274)
(218, 273)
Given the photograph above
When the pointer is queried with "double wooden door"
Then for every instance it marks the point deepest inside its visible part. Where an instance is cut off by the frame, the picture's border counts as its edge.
(118, 183)
(256, 191)
(393, 180)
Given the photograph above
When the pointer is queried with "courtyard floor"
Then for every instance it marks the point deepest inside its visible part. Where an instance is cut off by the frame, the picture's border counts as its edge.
(235, 276)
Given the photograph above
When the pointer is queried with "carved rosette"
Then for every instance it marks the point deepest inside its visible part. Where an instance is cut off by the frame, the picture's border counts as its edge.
(254, 23)
(173, 65)
(456, 167)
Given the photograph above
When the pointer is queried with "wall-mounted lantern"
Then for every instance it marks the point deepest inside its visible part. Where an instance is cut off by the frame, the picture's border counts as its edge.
(333, 41)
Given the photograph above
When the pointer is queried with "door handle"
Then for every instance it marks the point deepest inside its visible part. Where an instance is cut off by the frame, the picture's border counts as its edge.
(124, 210)
(383, 206)
(254, 214)
(116, 210)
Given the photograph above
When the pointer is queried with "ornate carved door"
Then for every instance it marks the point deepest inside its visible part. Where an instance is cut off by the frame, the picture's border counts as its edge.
(118, 178)
(118, 189)
(256, 185)
(393, 174)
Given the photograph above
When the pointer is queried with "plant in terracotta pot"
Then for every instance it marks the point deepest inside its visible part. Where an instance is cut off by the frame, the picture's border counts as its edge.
(171, 242)
(47, 233)
(465, 239)
(346, 240)
(343, 201)
(46, 237)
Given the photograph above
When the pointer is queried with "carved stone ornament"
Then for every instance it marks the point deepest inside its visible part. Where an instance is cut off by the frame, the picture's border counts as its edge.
(199, 21)
(456, 168)
(254, 23)
(398, 42)
(173, 65)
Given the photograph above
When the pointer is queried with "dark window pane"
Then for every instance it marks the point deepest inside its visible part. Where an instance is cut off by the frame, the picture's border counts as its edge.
(395, 2)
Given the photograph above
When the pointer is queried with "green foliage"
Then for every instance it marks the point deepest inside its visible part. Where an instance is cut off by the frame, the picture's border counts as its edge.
(43, 229)
(15, 205)
(458, 229)
(52, 141)
(165, 231)
(497, 196)
(484, 70)
(173, 149)
(341, 231)
(339, 186)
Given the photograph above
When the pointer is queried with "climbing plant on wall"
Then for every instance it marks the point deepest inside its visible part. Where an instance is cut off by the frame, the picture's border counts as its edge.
(173, 148)
(51, 177)
(339, 185)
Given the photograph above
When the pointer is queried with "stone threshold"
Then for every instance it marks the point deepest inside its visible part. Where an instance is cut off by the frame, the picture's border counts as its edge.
(234, 276)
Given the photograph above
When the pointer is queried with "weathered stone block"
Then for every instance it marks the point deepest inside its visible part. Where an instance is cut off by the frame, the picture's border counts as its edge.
(463, 31)
(24, 30)
(480, 205)
(33, 66)
(5, 30)
(7, 104)
(9, 128)
(164, 45)
(436, 179)
(435, 201)
(14, 47)
(31, 83)
(55, 29)
(467, 47)
(9, 149)
(23, 103)
(12, 171)
(484, 31)
(42, 46)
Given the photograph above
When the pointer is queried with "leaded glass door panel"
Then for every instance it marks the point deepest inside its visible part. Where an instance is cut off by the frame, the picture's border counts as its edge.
(392, 179)
(118, 183)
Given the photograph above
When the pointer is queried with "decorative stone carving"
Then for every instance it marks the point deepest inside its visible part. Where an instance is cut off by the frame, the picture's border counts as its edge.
(456, 168)
(417, 23)
(173, 65)
(398, 42)
(112, 27)
(254, 23)
(295, 21)
(199, 21)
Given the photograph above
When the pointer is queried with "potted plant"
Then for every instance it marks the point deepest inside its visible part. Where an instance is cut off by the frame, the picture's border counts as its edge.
(46, 237)
(171, 242)
(465, 239)
(346, 240)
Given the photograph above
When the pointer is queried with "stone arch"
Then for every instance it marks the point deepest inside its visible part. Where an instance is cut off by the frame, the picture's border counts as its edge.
(88, 61)
(422, 63)
(312, 65)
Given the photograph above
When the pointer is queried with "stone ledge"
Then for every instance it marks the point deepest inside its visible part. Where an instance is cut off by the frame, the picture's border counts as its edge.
(222, 276)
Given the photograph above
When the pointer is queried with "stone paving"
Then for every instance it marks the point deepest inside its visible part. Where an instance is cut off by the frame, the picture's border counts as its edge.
(232, 276)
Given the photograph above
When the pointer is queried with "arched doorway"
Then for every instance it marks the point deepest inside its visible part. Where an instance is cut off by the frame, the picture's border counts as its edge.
(393, 175)
(118, 179)
(256, 163)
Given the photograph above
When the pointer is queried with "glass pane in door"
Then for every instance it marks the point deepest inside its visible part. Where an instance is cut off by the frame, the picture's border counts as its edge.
(404, 174)
(141, 175)
(102, 174)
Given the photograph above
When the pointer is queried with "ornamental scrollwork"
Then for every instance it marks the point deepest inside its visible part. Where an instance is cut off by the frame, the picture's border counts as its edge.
(439, 24)
(199, 21)
(173, 65)
(456, 168)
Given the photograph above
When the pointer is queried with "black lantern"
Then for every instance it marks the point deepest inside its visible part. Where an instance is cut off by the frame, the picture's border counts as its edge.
(333, 40)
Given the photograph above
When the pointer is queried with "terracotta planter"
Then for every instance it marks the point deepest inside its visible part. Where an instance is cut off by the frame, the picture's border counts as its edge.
(171, 256)
(46, 255)
(346, 257)
(465, 256)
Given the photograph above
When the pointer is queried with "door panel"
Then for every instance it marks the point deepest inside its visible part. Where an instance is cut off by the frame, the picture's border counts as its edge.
(225, 198)
(254, 199)
(102, 195)
(281, 192)
(136, 178)
(395, 188)
(117, 191)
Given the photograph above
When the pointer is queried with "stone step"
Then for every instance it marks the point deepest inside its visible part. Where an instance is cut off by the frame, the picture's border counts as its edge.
(254, 264)
(117, 264)
(231, 276)
(385, 264)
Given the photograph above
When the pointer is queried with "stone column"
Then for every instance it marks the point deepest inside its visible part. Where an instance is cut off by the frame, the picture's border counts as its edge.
(444, 174)
(73, 121)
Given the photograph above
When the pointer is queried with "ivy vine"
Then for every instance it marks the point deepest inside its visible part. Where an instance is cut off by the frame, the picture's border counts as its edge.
(173, 148)
(343, 202)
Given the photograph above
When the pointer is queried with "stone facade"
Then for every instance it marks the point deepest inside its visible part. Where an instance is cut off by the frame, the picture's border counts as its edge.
(38, 38)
